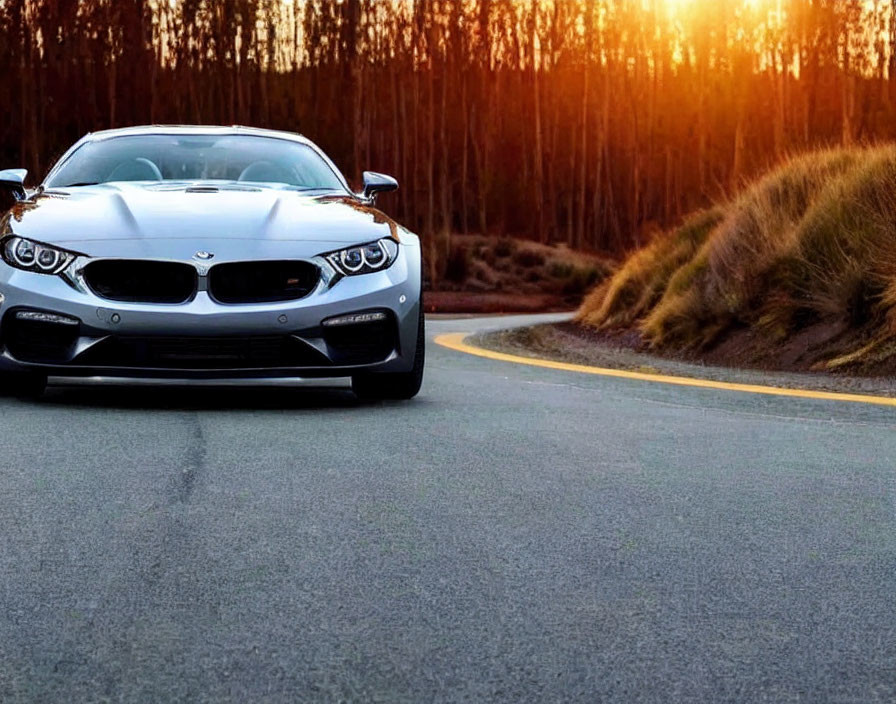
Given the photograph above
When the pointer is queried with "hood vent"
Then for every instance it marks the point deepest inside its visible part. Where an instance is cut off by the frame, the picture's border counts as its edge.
(202, 189)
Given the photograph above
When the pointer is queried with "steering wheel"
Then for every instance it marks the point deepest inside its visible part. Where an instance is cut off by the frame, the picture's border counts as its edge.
(139, 169)
(266, 172)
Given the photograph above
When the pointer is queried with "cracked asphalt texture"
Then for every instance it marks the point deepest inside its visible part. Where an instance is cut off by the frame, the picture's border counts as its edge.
(515, 534)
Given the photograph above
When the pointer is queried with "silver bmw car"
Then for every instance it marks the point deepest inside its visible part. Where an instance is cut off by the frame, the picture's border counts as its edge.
(206, 252)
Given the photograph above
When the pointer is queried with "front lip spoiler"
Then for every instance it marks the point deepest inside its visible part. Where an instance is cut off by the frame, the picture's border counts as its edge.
(248, 373)
(74, 370)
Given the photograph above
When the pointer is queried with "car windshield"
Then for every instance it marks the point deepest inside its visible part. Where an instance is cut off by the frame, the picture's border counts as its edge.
(197, 157)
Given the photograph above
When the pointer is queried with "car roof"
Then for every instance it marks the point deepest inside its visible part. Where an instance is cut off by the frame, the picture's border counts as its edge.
(196, 129)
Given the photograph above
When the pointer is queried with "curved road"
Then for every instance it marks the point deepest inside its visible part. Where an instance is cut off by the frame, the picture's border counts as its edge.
(515, 534)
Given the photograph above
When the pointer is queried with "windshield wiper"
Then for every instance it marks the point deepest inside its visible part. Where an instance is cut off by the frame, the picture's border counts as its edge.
(80, 183)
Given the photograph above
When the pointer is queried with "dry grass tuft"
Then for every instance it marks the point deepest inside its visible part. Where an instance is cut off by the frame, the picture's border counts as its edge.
(638, 285)
(811, 243)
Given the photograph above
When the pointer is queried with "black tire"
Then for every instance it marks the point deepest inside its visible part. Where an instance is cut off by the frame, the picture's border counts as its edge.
(27, 385)
(395, 386)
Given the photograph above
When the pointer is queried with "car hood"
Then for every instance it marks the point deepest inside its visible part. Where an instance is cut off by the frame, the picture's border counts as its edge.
(91, 219)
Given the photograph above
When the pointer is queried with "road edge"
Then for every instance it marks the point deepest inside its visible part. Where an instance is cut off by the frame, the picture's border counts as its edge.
(457, 341)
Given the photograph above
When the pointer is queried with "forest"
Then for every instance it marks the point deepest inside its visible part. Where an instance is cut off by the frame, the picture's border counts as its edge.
(593, 123)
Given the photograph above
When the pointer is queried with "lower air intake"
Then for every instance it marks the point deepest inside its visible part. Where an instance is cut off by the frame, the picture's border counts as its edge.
(250, 352)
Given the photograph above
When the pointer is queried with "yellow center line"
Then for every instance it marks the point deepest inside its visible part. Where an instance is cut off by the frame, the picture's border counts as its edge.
(457, 341)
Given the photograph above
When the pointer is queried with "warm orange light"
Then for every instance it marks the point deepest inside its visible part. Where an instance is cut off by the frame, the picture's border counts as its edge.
(686, 6)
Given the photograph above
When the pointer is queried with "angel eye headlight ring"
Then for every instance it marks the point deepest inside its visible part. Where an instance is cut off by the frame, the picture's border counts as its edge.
(374, 255)
(24, 254)
(48, 259)
(364, 258)
(352, 260)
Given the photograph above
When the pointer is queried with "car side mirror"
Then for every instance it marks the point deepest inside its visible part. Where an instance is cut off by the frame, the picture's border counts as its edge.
(13, 181)
(375, 183)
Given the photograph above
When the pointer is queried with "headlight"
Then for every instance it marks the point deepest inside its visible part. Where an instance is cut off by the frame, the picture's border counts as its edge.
(33, 256)
(365, 258)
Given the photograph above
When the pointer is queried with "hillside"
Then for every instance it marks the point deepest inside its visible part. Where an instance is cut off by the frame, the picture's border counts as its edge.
(488, 274)
(798, 271)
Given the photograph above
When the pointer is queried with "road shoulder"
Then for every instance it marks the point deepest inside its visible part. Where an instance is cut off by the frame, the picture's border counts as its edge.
(558, 342)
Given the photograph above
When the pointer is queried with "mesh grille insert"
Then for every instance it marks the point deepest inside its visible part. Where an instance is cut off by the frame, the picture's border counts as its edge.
(261, 282)
(202, 353)
(135, 281)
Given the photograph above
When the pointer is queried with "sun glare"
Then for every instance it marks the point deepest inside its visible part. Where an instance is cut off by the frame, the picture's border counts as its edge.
(677, 8)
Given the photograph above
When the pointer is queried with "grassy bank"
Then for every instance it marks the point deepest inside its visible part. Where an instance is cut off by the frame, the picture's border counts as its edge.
(798, 271)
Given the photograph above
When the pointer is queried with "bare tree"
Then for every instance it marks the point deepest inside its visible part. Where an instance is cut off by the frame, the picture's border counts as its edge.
(589, 121)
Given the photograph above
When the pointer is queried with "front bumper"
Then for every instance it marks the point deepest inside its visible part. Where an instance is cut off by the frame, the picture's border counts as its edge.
(207, 339)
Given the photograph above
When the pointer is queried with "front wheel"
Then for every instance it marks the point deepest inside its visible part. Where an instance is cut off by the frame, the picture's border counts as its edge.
(394, 386)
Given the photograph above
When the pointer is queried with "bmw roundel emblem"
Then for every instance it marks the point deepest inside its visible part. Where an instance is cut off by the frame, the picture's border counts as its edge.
(202, 254)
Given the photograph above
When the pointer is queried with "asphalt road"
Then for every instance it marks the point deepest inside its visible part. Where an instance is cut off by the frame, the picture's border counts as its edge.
(515, 534)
